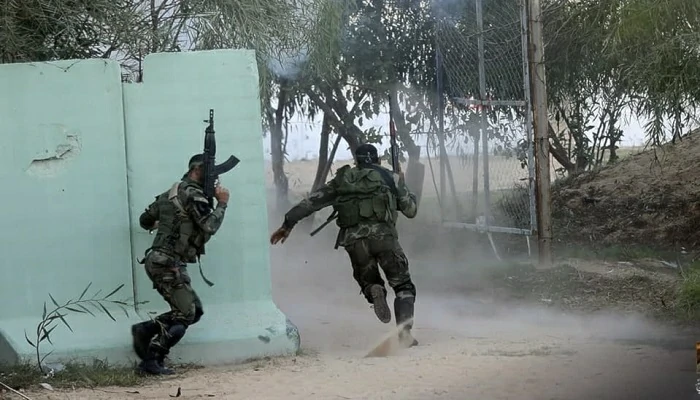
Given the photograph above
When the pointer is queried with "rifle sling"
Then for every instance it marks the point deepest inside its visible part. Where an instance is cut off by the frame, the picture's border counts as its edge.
(330, 219)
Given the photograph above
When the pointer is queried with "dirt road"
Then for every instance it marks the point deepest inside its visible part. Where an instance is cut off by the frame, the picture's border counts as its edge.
(472, 347)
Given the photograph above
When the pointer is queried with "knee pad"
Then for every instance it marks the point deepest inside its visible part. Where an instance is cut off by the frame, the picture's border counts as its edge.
(188, 318)
(171, 335)
(406, 289)
(174, 334)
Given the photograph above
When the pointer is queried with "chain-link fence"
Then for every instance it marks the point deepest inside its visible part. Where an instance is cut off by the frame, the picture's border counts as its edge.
(487, 167)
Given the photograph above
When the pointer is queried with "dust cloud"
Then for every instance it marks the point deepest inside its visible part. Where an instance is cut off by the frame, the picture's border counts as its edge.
(460, 311)
(313, 283)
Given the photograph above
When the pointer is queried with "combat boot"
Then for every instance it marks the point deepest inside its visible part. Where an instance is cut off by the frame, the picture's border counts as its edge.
(403, 310)
(406, 339)
(159, 348)
(152, 366)
(377, 294)
(142, 334)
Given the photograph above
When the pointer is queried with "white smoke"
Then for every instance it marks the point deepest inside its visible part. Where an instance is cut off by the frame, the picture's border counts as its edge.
(449, 11)
(288, 63)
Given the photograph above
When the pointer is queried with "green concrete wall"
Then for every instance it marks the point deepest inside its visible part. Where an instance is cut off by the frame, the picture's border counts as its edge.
(84, 155)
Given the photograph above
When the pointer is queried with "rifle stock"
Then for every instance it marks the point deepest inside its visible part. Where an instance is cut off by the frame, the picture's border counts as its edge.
(211, 170)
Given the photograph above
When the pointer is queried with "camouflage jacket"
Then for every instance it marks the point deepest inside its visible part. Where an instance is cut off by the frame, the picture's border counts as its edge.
(185, 220)
(366, 200)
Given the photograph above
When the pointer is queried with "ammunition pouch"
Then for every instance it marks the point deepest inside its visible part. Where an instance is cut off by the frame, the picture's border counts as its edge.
(353, 210)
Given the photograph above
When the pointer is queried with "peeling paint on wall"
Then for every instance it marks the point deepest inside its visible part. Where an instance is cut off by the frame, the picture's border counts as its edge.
(59, 146)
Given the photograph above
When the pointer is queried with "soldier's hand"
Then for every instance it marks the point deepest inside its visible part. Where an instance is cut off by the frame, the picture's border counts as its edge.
(221, 194)
(280, 234)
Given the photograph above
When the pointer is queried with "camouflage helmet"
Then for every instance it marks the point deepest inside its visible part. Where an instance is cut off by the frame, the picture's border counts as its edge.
(366, 154)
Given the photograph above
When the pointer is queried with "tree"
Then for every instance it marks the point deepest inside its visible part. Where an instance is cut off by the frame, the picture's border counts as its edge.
(310, 57)
(45, 30)
(595, 73)
(665, 82)
(583, 87)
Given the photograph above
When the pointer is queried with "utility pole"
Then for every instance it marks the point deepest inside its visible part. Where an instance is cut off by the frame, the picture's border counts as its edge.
(538, 87)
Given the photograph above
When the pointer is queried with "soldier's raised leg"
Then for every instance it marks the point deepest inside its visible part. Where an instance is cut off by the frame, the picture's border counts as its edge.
(394, 262)
(186, 309)
(366, 273)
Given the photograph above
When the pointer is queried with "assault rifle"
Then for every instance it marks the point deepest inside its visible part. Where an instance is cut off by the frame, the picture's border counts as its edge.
(211, 170)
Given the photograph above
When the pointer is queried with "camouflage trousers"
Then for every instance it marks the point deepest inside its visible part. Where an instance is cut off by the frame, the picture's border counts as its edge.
(171, 279)
(369, 254)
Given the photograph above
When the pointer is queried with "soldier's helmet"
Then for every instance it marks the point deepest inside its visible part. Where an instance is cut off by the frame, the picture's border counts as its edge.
(366, 154)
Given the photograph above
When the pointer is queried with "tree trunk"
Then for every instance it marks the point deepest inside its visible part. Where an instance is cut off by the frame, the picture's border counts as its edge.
(403, 130)
(338, 116)
(351, 135)
(323, 160)
(276, 147)
(559, 153)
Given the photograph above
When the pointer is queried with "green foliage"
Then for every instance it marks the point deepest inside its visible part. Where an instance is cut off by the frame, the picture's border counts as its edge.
(50, 318)
(655, 43)
(689, 294)
(605, 58)
(43, 30)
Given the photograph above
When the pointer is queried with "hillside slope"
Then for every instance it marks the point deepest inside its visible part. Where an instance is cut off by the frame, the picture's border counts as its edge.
(649, 198)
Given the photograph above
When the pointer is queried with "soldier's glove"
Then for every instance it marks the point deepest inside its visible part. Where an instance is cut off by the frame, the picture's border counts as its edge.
(280, 234)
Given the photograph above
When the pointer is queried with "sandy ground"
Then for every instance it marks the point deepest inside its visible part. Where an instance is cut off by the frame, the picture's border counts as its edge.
(473, 346)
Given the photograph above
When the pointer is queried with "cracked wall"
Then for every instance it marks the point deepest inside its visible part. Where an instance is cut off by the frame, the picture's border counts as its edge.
(57, 146)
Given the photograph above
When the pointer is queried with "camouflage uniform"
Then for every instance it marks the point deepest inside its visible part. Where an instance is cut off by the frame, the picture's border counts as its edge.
(367, 199)
(186, 222)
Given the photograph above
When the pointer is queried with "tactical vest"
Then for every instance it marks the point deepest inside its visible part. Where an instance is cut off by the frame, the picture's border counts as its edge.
(364, 195)
(177, 233)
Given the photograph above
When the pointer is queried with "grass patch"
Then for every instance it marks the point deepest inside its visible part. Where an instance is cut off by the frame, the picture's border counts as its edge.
(688, 301)
(614, 253)
(73, 375)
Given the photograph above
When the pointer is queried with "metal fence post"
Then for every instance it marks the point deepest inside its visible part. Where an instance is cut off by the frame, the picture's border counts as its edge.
(528, 118)
(483, 112)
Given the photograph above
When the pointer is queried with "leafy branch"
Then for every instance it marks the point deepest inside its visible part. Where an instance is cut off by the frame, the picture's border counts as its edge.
(82, 305)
